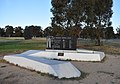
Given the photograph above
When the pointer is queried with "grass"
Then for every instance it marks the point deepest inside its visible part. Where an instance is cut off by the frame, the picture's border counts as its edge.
(105, 48)
(109, 47)
(2, 61)
(19, 45)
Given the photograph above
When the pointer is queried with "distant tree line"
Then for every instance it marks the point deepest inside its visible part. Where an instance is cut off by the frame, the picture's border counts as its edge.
(28, 32)
(36, 31)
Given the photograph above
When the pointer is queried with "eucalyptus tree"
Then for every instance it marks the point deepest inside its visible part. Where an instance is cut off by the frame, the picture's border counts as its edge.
(118, 32)
(58, 11)
(36, 31)
(103, 13)
(18, 31)
(109, 33)
(2, 32)
(97, 16)
(9, 30)
(48, 31)
(72, 15)
(27, 33)
(66, 15)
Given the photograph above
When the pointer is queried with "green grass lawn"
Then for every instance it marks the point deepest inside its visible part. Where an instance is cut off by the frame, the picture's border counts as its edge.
(18, 45)
(9, 45)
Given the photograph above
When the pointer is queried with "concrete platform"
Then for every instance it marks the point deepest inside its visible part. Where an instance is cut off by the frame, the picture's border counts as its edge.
(60, 69)
(78, 55)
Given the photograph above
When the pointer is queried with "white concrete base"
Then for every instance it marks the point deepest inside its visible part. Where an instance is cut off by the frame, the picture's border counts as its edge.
(78, 55)
(35, 60)
(59, 69)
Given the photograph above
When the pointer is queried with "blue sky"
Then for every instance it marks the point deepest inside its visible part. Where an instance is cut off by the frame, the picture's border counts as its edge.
(36, 12)
(116, 14)
(25, 12)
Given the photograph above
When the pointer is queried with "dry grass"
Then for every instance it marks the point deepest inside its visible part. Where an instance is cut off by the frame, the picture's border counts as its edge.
(109, 46)
(2, 61)
(18, 45)
(105, 48)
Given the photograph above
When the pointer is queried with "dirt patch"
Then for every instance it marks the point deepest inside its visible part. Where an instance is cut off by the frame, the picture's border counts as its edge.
(107, 72)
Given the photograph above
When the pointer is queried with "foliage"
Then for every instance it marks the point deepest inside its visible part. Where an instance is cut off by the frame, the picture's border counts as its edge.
(72, 15)
(9, 30)
(18, 31)
(36, 31)
(118, 32)
(109, 33)
(48, 31)
(65, 18)
(27, 33)
(33, 31)
(2, 32)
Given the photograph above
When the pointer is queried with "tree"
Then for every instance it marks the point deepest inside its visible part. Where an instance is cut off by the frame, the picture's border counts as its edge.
(118, 32)
(75, 14)
(36, 31)
(39, 31)
(66, 16)
(9, 30)
(97, 15)
(33, 31)
(103, 13)
(58, 10)
(27, 33)
(18, 31)
(109, 33)
(48, 31)
(58, 20)
(75, 31)
(57, 31)
(2, 32)
(88, 32)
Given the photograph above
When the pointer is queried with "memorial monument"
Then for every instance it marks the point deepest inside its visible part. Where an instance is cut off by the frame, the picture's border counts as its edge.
(60, 48)
(61, 43)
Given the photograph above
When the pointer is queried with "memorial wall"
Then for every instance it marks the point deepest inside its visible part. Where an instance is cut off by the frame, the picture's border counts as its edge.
(61, 43)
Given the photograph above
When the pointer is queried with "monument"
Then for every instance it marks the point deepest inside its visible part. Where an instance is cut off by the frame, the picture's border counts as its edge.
(60, 48)
(61, 43)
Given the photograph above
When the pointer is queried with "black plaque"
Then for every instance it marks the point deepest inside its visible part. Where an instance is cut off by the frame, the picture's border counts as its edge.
(60, 54)
(62, 43)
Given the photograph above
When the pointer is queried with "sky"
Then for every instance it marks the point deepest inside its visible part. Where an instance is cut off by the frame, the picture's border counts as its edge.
(37, 12)
(116, 14)
(25, 13)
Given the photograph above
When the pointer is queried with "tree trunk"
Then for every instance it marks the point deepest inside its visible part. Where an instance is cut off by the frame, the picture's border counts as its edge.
(98, 42)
